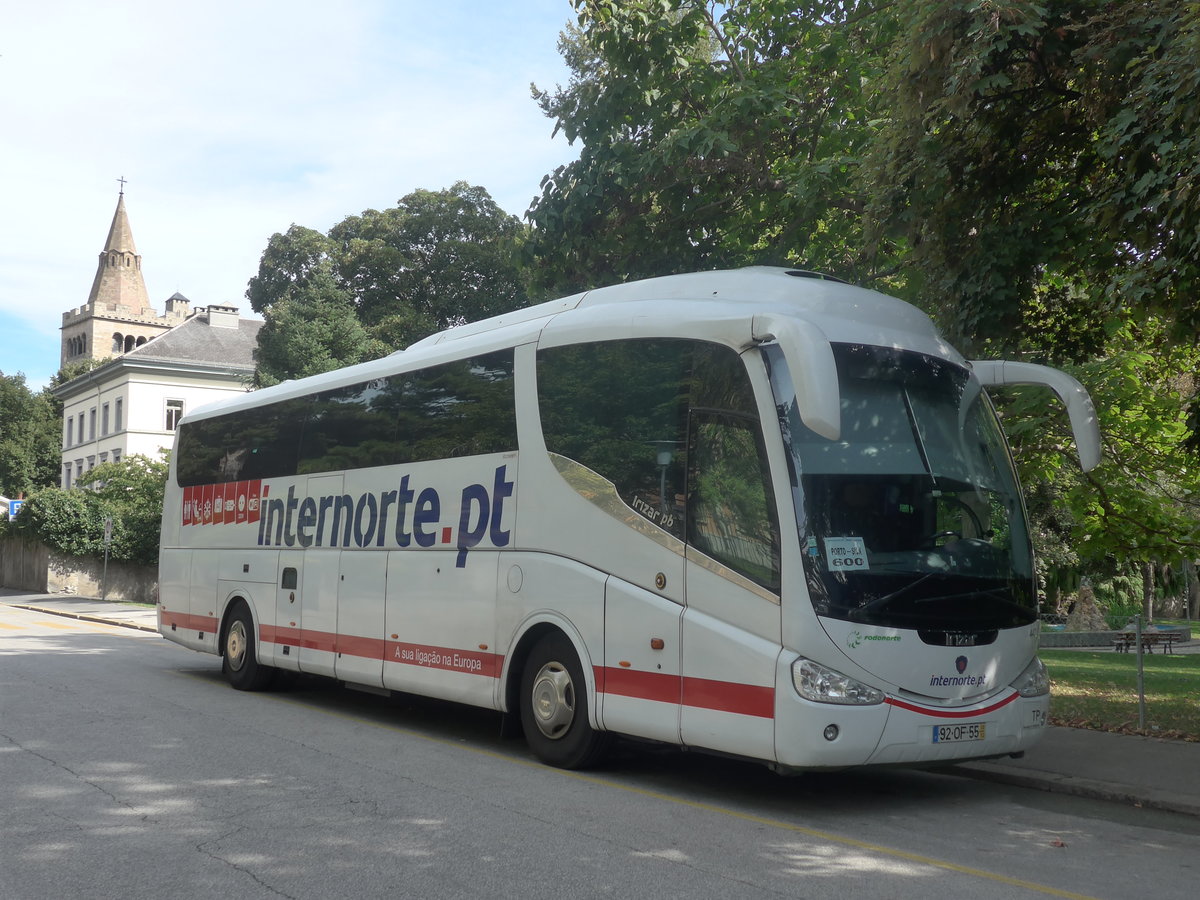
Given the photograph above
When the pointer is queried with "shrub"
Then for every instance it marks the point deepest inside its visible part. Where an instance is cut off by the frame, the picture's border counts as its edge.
(72, 521)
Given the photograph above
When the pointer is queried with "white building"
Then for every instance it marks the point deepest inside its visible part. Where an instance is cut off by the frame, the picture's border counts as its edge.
(175, 362)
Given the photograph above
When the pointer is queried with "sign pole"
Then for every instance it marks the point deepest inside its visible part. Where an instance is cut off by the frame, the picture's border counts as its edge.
(1141, 682)
(108, 525)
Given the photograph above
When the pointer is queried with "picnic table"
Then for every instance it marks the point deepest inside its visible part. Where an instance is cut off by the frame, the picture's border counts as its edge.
(1150, 639)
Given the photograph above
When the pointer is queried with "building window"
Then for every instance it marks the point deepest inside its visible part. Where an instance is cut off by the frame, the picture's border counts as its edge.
(78, 468)
(91, 462)
(174, 413)
(116, 456)
(104, 420)
(92, 424)
(66, 476)
(79, 439)
(104, 456)
(120, 414)
(67, 435)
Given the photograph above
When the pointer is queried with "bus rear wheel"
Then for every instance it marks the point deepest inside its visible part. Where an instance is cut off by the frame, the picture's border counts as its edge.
(239, 656)
(554, 706)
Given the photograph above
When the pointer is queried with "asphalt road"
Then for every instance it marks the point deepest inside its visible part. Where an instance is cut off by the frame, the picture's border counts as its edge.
(129, 769)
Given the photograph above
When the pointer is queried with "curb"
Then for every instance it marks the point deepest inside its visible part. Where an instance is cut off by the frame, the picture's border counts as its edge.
(1054, 783)
(85, 617)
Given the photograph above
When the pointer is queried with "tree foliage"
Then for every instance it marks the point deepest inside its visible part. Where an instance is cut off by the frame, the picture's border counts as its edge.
(1033, 140)
(30, 435)
(380, 280)
(712, 134)
(72, 521)
(1142, 503)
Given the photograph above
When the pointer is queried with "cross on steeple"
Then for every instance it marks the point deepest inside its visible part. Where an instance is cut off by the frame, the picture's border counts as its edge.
(122, 180)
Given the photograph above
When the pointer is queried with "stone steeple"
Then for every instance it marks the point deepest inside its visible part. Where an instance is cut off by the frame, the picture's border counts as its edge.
(119, 286)
(118, 315)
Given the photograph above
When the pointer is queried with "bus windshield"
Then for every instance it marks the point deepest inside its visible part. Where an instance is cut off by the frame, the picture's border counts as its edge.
(913, 519)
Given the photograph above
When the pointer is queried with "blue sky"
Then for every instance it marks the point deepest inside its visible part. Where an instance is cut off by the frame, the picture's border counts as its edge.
(234, 119)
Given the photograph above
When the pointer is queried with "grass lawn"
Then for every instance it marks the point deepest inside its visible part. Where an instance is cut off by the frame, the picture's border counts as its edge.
(1099, 690)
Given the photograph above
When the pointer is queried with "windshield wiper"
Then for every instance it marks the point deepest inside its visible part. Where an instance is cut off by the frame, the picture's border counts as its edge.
(888, 598)
(998, 594)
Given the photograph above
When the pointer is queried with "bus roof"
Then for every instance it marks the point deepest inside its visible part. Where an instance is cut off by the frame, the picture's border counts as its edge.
(842, 312)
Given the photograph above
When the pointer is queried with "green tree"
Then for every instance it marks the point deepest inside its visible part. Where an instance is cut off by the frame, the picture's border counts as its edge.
(712, 134)
(1141, 506)
(30, 437)
(438, 259)
(383, 279)
(1029, 141)
(314, 329)
(72, 521)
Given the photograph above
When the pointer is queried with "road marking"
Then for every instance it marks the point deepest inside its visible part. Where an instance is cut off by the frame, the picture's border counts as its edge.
(80, 626)
(817, 834)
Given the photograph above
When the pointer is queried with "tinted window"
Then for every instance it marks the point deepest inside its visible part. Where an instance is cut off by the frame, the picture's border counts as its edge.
(731, 513)
(250, 444)
(620, 409)
(625, 410)
(463, 408)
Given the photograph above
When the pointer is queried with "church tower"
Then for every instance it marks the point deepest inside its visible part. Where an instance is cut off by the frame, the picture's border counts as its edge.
(118, 315)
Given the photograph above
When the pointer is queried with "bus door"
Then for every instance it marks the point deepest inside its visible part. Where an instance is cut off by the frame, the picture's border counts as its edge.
(440, 621)
(731, 626)
(322, 583)
(360, 617)
(640, 685)
(289, 610)
(318, 633)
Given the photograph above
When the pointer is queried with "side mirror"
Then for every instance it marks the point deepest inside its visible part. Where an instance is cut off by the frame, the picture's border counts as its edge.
(1074, 396)
(814, 373)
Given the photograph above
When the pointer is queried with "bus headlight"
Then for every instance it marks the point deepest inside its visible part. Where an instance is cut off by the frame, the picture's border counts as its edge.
(822, 685)
(1034, 681)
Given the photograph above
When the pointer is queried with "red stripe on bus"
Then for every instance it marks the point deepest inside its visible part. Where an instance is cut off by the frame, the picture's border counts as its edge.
(450, 659)
(473, 662)
(729, 696)
(951, 713)
(365, 647)
(700, 693)
(642, 685)
(187, 621)
(277, 634)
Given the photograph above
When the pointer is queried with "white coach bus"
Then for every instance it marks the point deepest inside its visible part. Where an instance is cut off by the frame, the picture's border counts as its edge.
(756, 512)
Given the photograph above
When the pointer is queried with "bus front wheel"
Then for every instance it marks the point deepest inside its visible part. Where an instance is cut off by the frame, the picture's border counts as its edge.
(239, 657)
(554, 710)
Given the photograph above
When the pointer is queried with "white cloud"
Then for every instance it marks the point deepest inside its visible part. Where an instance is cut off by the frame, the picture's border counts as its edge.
(234, 119)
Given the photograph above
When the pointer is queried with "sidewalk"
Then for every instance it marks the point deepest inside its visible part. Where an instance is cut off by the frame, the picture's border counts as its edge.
(1136, 771)
(128, 615)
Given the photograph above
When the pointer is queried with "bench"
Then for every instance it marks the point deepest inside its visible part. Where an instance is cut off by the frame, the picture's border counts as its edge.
(1165, 639)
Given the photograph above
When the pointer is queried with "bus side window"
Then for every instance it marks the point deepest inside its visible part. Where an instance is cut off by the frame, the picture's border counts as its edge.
(288, 579)
(619, 409)
(731, 514)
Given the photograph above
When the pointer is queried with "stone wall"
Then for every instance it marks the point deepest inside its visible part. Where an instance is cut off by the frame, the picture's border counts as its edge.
(24, 564)
(1051, 639)
(31, 566)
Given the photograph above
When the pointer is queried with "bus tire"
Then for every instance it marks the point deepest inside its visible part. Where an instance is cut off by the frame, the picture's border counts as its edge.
(239, 655)
(554, 706)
